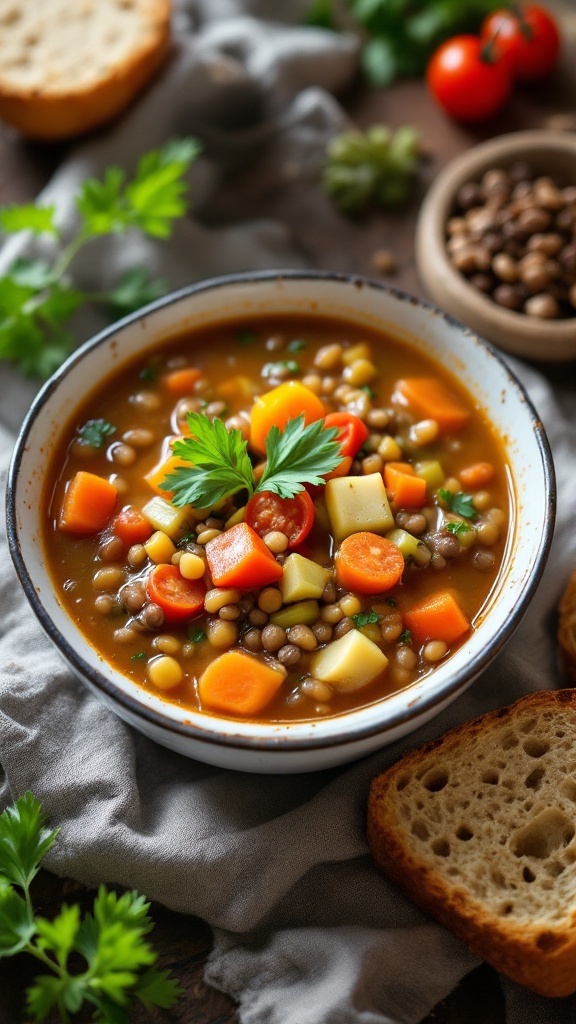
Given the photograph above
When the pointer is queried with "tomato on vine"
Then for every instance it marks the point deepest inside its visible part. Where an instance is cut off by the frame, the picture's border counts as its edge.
(468, 79)
(527, 35)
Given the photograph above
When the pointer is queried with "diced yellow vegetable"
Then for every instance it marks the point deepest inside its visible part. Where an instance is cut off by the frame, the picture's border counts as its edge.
(303, 613)
(302, 579)
(159, 547)
(164, 672)
(406, 542)
(349, 663)
(357, 503)
(166, 517)
(358, 351)
(431, 471)
(238, 517)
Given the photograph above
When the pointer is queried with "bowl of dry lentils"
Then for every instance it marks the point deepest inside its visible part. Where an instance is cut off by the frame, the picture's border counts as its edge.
(496, 242)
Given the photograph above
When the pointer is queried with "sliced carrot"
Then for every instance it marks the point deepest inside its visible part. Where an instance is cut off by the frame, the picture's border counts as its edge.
(238, 684)
(181, 382)
(368, 563)
(131, 526)
(239, 558)
(276, 407)
(430, 397)
(179, 598)
(157, 475)
(407, 489)
(479, 474)
(438, 617)
(88, 504)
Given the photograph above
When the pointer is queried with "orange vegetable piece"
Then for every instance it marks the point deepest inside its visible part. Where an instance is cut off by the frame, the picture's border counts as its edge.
(407, 489)
(342, 469)
(157, 475)
(240, 558)
(181, 382)
(179, 598)
(368, 563)
(478, 475)
(131, 526)
(88, 504)
(276, 407)
(238, 684)
(438, 617)
(431, 398)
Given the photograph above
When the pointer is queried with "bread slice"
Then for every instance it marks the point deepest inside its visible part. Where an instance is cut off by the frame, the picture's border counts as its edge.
(67, 68)
(567, 631)
(479, 827)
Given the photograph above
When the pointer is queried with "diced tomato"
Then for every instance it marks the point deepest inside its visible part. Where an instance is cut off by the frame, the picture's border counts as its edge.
(352, 431)
(292, 516)
(179, 598)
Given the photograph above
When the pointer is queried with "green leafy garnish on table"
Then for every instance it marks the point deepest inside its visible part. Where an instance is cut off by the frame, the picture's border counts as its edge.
(460, 503)
(220, 465)
(376, 167)
(38, 297)
(112, 960)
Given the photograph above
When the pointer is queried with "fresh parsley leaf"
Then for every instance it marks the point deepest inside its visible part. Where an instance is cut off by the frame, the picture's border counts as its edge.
(138, 656)
(95, 432)
(16, 921)
(147, 373)
(457, 529)
(196, 635)
(460, 503)
(34, 274)
(299, 455)
(367, 618)
(28, 217)
(279, 367)
(133, 290)
(297, 345)
(375, 167)
(369, 391)
(405, 637)
(24, 840)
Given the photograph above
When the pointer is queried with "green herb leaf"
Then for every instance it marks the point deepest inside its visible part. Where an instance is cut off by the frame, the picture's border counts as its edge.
(366, 618)
(16, 921)
(59, 936)
(458, 529)
(28, 217)
(157, 988)
(297, 345)
(219, 464)
(279, 367)
(24, 840)
(95, 432)
(138, 656)
(377, 166)
(133, 290)
(405, 637)
(299, 455)
(196, 635)
(460, 503)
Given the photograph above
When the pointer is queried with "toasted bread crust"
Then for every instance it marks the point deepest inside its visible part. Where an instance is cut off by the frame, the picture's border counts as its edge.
(567, 631)
(539, 950)
(59, 104)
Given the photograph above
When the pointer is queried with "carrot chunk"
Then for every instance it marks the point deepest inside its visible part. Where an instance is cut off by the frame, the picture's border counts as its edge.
(131, 526)
(407, 489)
(181, 382)
(240, 558)
(430, 397)
(368, 563)
(477, 475)
(158, 473)
(238, 684)
(88, 504)
(438, 617)
(276, 407)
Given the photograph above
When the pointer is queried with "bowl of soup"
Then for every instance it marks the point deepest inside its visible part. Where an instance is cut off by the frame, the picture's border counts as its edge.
(282, 519)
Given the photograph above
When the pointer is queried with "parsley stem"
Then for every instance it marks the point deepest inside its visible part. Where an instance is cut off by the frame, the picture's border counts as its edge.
(68, 253)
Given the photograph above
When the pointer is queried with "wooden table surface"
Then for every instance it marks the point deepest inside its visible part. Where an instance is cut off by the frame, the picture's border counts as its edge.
(332, 242)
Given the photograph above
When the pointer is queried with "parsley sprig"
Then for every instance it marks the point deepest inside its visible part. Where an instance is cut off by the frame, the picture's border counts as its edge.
(116, 962)
(38, 297)
(460, 503)
(95, 432)
(220, 465)
(375, 167)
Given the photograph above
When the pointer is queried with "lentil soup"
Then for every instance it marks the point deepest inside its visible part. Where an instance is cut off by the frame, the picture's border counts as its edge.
(280, 603)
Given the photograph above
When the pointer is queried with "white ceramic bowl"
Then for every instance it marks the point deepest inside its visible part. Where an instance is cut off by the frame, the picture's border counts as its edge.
(307, 746)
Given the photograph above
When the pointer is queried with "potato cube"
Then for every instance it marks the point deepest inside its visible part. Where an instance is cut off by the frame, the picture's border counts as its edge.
(357, 503)
(159, 547)
(407, 543)
(349, 663)
(302, 579)
(166, 517)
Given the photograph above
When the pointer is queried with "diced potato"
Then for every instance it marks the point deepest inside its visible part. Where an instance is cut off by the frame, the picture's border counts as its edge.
(349, 663)
(357, 503)
(431, 471)
(166, 517)
(159, 547)
(406, 542)
(238, 517)
(302, 579)
(303, 613)
(359, 351)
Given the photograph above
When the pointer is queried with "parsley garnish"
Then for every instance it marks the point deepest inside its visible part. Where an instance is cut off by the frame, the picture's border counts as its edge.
(220, 465)
(95, 432)
(138, 656)
(38, 298)
(196, 635)
(279, 367)
(376, 167)
(460, 503)
(297, 345)
(118, 960)
(366, 618)
(147, 374)
(457, 529)
(369, 391)
(405, 637)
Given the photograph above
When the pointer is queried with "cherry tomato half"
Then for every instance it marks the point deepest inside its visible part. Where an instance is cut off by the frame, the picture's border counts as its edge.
(528, 37)
(352, 432)
(292, 516)
(179, 598)
(466, 81)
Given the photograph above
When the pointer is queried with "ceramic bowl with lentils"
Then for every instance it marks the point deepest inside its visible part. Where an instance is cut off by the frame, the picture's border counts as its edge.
(496, 242)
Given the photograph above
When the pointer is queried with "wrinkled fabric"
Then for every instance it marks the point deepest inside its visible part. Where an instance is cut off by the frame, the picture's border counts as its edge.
(306, 930)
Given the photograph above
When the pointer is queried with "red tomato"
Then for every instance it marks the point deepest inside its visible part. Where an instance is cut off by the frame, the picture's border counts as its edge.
(293, 516)
(466, 81)
(528, 37)
(352, 432)
(179, 598)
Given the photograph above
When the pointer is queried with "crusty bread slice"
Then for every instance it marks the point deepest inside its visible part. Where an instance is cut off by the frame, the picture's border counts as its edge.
(69, 67)
(479, 827)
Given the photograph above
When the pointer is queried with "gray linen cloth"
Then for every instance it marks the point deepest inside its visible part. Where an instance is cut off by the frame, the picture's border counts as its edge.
(306, 930)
